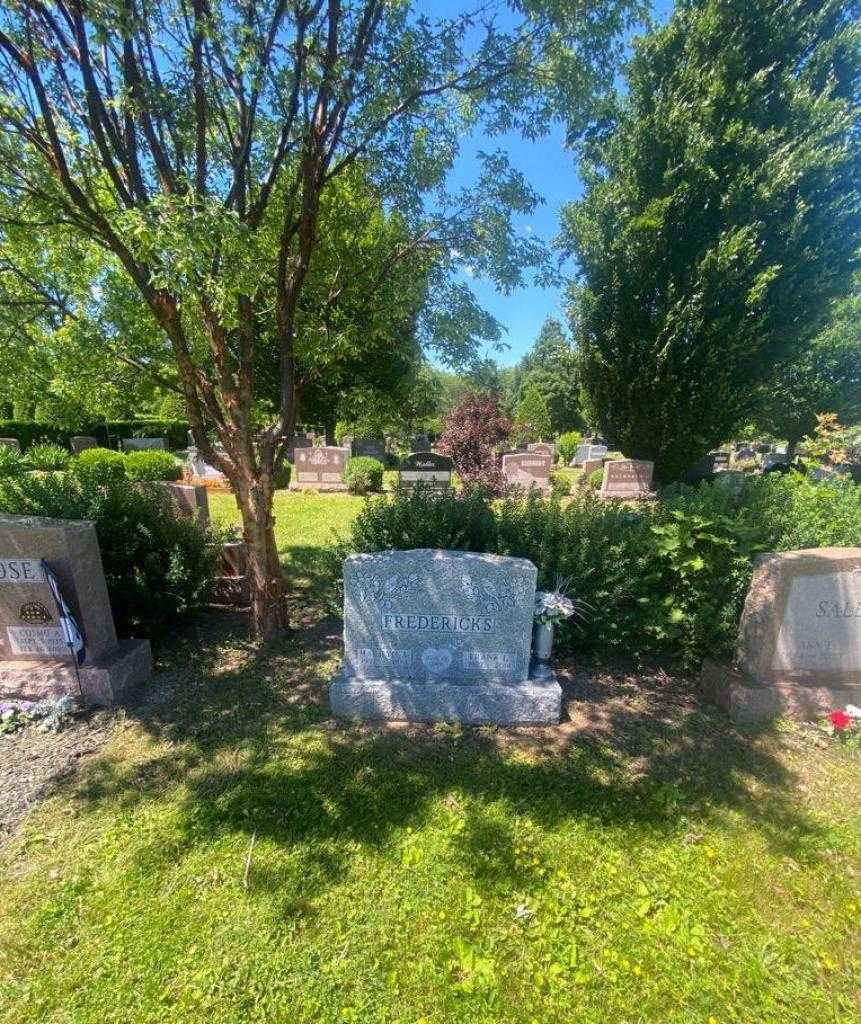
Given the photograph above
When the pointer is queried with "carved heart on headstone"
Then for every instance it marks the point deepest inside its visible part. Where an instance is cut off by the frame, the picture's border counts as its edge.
(436, 659)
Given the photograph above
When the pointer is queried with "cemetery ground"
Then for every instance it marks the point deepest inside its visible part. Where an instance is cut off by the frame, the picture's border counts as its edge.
(224, 850)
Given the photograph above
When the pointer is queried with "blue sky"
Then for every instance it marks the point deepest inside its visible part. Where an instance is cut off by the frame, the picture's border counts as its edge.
(550, 169)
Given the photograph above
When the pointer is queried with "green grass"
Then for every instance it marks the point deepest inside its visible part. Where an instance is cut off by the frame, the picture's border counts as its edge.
(234, 856)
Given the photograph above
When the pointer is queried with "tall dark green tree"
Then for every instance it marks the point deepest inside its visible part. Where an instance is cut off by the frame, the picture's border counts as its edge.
(722, 216)
(826, 378)
(550, 368)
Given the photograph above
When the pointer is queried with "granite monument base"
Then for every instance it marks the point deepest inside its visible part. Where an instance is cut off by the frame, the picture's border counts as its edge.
(536, 701)
(748, 702)
(323, 488)
(103, 680)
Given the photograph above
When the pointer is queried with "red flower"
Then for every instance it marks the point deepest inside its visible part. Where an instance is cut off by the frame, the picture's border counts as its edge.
(840, 720)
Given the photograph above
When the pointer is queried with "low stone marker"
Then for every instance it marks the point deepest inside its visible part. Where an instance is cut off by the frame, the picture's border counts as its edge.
(319, 469)
(370, 447)
(524, 469)
(82, 443)
(432, 635)
(35, 659)
(11, 442)
(143, 444)
(231, 585)
(429, 469)
(542, 448)
(720, 461)
(190, 500)
(199, 472)
(799, 642)
(590, 465)
(627, 479)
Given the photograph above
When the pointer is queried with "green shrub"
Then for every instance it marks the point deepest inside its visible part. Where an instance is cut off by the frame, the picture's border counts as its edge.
(158, 566)
(422, 518)
(152, 465)
(46, 455)
(567, 446)
(99, 465)
(282, 477)
(596, 478)
(363, 475)
(560, 484)
(11, 462)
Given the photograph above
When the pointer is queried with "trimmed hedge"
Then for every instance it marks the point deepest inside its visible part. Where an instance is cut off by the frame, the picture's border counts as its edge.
(364, 475)
(29, 432)
(152, 465)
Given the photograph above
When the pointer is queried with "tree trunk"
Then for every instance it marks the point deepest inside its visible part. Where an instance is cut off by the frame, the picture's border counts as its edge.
(265, 576)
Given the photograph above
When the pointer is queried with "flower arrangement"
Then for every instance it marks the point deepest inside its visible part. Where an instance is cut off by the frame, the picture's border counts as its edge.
(552, 606)
(845, 722)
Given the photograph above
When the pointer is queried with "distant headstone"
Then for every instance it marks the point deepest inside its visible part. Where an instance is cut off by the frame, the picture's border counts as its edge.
(527, 470)
(82, 444)
(434, 635)
(199, 471)
(590, 465)
(799, 643)
(701, 470)
(581, 455)
(190, 500)
(720, 461)
(762, 449)
(370, 447)
(11, 442)
(597, 451)
(320, 469)
(429, 469)
(542, 448)
(35, 659)
(142, 444)
(420, 443)
(775, 461)
(744, 454)
(627, 479)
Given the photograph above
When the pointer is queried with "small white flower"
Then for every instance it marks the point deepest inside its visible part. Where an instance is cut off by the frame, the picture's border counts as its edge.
(522, 912)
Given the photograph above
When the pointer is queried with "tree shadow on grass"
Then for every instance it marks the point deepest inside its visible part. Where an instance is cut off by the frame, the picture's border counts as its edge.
(246, 730)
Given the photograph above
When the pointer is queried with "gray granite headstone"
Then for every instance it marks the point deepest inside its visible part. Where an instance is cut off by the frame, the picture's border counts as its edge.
(581, 455)
(82, 444)
(370, 447)
(143, 444)
(427, 614)
(542, 448)
(11, 442)
(432, 635)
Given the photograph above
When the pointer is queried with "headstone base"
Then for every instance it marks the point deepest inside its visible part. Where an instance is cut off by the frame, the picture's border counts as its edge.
(748, 702)
(103, 680)
(536, 701)
(323, 488)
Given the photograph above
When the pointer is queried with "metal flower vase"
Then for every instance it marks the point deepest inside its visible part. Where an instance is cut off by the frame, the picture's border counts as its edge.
(542, 641)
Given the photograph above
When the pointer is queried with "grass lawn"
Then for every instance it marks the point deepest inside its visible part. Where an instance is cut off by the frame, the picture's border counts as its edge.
(234, 855)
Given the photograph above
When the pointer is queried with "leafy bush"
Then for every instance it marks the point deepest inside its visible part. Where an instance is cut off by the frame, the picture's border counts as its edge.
(596, 478)
(282, 477)
(422, 518)
(667, 578)
(560, 484)
(11, 462)
(567, 446)
(158, 566)
(472, 432)
(99, 465)
(152, 465)
(46, 455)
(363, 475)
